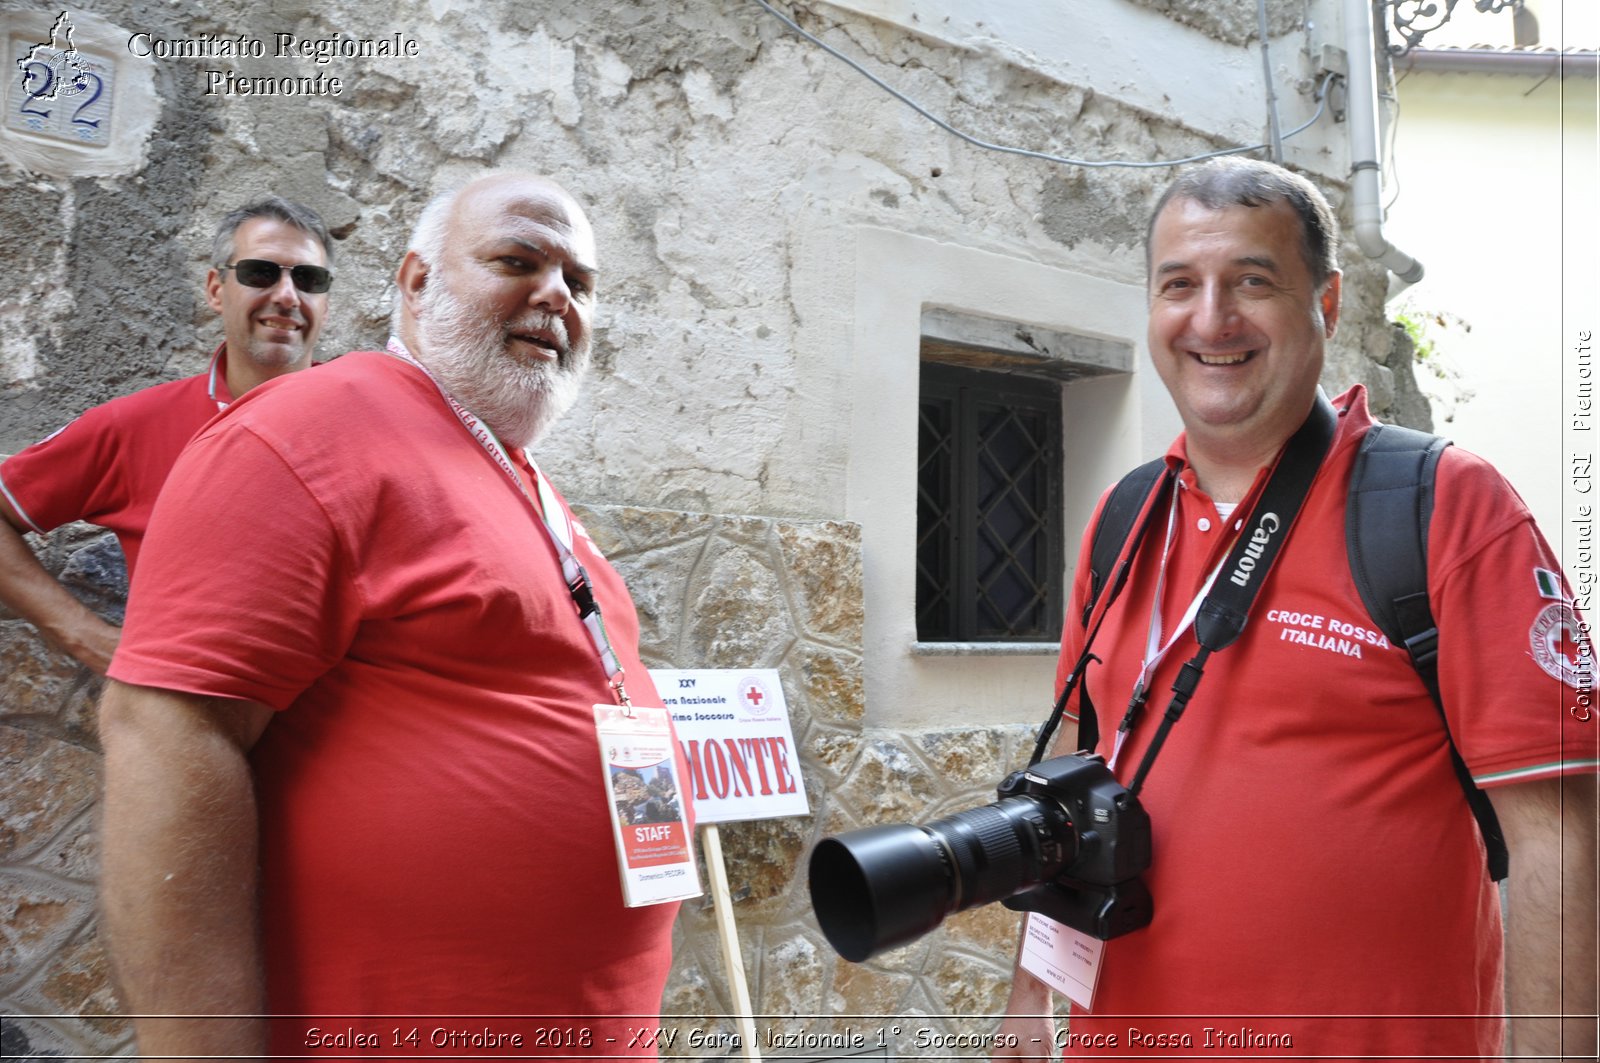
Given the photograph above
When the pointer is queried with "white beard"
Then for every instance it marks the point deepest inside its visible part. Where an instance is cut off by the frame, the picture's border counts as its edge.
(467, 352)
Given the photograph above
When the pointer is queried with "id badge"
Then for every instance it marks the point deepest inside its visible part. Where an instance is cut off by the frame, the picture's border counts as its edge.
(1064, 959)
(648, 816)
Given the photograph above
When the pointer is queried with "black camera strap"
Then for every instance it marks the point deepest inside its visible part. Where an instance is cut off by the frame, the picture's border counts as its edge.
(1088, 730)
(1222, 615)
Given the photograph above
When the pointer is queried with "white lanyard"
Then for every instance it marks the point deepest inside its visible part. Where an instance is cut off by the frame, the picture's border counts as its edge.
(1155, 650)
(552, 517)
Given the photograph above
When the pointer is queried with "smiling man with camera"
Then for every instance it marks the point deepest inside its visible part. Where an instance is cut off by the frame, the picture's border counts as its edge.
(1320, 885)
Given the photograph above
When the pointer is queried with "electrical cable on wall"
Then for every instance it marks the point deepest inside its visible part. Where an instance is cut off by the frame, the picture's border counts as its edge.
(1391, 172)
(1321, 98)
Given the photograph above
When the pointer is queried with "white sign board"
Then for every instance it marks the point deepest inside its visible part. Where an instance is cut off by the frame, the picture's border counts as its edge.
(733, 726)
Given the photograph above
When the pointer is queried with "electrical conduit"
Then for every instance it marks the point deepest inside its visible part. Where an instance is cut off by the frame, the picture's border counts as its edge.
(1366, 177)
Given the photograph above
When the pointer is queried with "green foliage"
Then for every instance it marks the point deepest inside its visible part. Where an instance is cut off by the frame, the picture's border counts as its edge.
(1436, 336)
(1427, 328)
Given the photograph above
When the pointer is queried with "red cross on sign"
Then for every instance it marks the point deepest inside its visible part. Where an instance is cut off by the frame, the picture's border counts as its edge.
(754, 695)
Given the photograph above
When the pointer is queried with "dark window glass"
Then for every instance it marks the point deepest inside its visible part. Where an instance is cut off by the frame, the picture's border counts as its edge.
(989, 535)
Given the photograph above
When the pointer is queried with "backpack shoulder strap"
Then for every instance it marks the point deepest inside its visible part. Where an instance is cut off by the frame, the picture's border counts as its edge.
(1386, 531)
(1111, 531)
(1387, 517)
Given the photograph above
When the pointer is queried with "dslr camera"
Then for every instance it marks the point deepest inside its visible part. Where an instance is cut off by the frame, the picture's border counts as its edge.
(1065, 839)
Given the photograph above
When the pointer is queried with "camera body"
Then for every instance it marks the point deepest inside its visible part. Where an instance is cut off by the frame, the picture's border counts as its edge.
(1065, 839)
(1099, 891)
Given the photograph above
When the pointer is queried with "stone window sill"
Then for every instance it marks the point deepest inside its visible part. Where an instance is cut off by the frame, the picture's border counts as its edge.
(985, 649)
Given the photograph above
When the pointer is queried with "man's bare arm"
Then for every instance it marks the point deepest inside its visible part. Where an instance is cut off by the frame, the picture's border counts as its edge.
(179, 876)
(1029, 1018)
(1028, 1029)
(36, 596)
(1551, 950)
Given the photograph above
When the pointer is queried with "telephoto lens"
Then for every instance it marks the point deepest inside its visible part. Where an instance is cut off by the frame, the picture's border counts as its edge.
(1064, 832)
(879, 887)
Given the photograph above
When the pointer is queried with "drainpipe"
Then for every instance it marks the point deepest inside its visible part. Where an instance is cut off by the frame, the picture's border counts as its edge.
(1366, 167)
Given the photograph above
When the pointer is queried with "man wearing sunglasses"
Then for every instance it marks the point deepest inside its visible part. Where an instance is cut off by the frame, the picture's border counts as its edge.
(269, 283)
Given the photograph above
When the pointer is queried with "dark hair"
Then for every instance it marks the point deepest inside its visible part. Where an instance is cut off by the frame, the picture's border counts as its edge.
(277, 208)
(1233, 181)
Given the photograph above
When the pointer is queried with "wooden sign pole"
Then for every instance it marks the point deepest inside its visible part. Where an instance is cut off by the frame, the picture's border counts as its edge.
(728, 935)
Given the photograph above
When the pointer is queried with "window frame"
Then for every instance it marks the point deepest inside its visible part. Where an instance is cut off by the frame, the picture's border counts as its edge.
(963, 390)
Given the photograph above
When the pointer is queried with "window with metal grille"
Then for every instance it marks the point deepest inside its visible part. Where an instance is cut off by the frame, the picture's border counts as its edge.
(989, 521)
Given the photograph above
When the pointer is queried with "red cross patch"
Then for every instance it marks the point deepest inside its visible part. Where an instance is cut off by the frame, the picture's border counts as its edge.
(1560, 647)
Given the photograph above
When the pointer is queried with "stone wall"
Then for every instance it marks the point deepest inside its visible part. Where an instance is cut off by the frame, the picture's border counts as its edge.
(710, 142)
(51, 962)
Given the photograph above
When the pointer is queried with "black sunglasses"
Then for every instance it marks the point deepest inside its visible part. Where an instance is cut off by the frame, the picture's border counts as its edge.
(259, 273)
